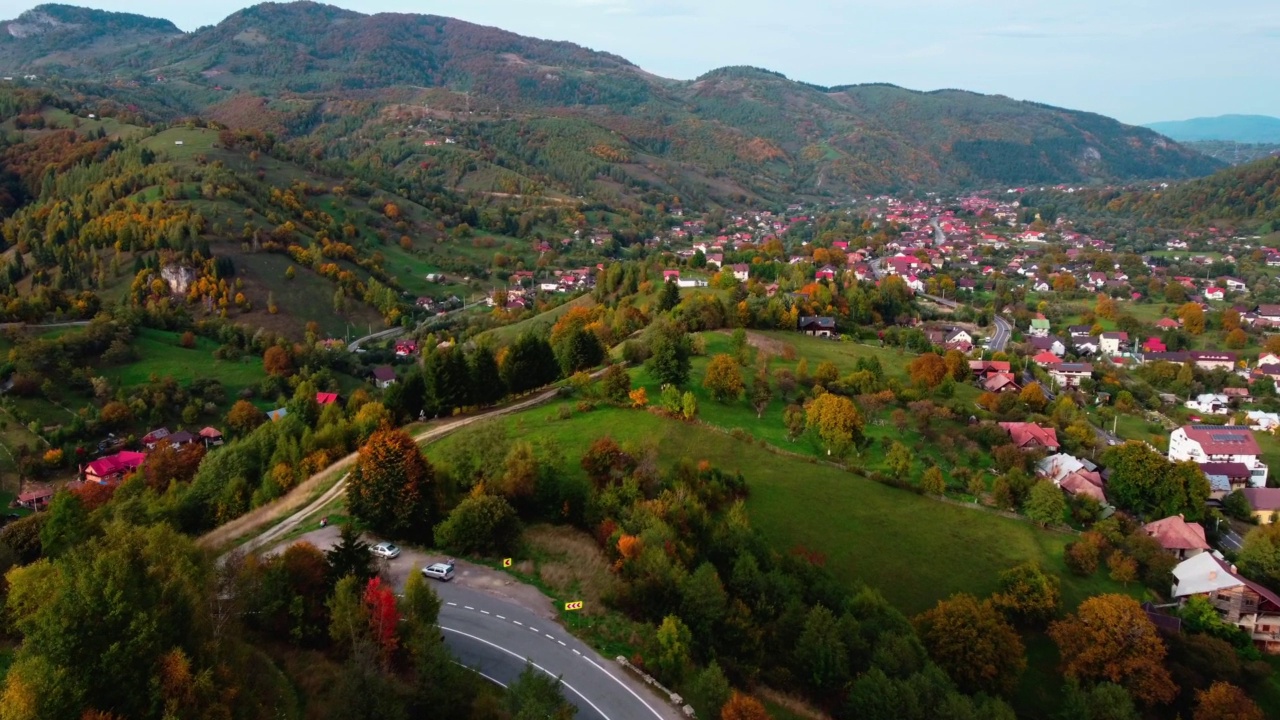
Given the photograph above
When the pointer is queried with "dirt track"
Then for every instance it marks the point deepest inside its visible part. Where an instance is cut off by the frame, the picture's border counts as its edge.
(258, 519)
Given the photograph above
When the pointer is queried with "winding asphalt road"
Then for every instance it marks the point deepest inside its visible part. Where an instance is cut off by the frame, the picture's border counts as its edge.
(491, 633)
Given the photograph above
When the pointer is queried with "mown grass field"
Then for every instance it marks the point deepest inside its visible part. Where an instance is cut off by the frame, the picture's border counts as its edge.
(914, 549)
(160, 355)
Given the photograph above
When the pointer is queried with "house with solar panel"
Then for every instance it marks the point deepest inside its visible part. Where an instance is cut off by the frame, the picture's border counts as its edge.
(1219, 444)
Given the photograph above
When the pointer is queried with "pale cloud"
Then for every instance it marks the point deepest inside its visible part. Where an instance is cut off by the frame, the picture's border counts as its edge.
(1137, 60)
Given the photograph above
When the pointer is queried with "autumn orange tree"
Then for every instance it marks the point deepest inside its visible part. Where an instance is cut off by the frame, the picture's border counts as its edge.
(277, 362)
(973, 642)
(837, 422)
(392, 488)
(244, 416)
(928, 370)
(743, 707)
(1111, 638)
(1224, 701)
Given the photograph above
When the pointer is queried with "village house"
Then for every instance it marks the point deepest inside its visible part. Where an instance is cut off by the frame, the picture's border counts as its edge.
(1240, 601)
(1074, 475)
(1039, 327)
(985, 368)
(326, 398)
(1265, 503)
(1070, 375)
(1046, 359)
(1047, 344)
(1262, 421)
(384, 377)
(951, 338)
(405, 348)
(1178, 537)
(37, 499)
(1220, 444)
(113, 468)
(1001, 382)
(1113, 343)
(1030, 436)
(181, 438)
(817, 326)
(1210, 404)
(153, 438)
(211, 436)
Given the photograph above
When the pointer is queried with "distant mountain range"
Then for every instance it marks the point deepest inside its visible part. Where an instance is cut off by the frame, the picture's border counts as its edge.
(539, 116)
(1234, 128)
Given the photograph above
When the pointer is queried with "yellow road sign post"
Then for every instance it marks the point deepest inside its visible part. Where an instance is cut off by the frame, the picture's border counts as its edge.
(575, 605)
(506, 562)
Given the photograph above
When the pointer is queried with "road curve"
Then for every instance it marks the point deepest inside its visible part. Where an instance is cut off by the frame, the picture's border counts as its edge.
(1004, 331)
(494, 634)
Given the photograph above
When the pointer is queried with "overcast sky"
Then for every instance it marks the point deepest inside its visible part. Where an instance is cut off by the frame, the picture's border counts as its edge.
(1135, 60)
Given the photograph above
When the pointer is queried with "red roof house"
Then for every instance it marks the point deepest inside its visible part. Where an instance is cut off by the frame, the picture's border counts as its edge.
(113, 468)
(1029, 436)
(1178, 536)
(1046, 358)
(324, 398)
(1154, 345)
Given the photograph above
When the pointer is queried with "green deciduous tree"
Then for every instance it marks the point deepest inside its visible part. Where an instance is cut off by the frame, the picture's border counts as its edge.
(66, 526)
(101, 624)
(481, 524)
(821, 656)
(1027, 595)
(673, 652)
(670, 350)
(1045, 504)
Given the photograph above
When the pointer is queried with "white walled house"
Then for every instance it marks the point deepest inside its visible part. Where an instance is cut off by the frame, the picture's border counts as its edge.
(1210, 404)
(1219, 444)
(1113, 343)
(1070, 375)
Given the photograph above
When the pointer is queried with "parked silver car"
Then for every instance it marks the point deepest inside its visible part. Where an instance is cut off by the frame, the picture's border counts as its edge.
(440, 571)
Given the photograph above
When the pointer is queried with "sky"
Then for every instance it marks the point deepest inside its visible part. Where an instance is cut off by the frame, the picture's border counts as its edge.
(1136, 60)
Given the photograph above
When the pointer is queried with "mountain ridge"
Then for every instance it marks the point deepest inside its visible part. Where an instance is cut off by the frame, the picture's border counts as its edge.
(733, 127)
(1234, 128)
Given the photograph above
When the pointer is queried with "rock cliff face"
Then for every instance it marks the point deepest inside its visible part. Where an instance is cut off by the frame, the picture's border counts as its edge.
(179, 278)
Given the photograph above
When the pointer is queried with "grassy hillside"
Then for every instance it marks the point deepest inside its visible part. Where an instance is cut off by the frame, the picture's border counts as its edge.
(916, 550)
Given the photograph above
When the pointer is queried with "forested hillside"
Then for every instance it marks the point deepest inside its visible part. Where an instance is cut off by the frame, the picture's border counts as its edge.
(533, 116)
(1248, 194)
(203, 221)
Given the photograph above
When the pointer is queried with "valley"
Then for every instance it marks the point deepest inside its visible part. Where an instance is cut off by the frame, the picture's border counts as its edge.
(798, 401)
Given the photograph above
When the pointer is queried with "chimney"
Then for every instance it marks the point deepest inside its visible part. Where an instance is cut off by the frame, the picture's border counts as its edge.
(1233, 569)
(1213, 574)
